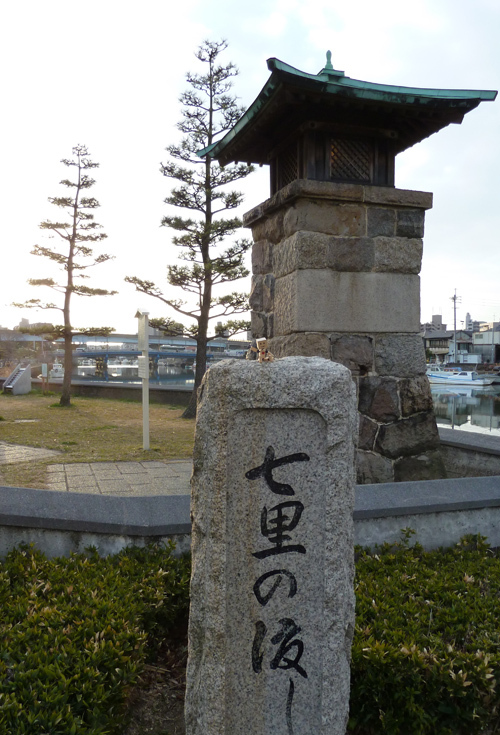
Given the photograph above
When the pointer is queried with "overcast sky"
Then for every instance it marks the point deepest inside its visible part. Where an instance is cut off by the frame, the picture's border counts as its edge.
(108, 74)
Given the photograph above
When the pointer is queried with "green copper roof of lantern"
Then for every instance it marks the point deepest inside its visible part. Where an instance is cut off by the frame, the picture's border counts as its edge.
(290, 98)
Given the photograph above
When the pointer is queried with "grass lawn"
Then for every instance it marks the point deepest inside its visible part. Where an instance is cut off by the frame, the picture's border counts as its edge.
(91, 430)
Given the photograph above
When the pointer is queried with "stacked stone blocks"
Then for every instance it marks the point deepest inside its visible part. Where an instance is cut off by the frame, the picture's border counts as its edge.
(336, 274)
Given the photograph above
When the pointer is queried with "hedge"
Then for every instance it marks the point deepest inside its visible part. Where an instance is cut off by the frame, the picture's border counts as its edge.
(426, 651)
(73, 634)
(425, 655)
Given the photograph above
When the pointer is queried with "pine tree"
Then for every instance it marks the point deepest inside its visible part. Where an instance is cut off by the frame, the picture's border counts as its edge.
(209, 110)
(79, 231)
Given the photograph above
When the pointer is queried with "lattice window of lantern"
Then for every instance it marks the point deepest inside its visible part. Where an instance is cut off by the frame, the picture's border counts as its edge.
(350, 159)
(288, 165)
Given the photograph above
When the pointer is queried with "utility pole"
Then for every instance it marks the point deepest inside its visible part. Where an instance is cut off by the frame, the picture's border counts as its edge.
(493, 341)
(455, 298)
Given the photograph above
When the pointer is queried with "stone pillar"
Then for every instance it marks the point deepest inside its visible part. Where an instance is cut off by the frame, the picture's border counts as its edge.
(336, 274)
(272, 601)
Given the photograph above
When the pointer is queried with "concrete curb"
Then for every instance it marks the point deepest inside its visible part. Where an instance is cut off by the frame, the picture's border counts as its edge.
(30, 508)
(156, 515)
(440, 511)
(470, 441)
(431, 496)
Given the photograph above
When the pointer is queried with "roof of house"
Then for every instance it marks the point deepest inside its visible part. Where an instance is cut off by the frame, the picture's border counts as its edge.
(434, 334)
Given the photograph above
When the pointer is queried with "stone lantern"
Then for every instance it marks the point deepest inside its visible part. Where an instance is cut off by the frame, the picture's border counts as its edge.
(337, 248)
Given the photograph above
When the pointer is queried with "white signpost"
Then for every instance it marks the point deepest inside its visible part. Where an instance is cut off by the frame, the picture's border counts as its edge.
(143, 344)
(45, 375)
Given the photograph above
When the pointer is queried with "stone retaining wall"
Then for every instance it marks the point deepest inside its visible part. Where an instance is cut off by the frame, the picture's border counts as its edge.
(440, 511)
(468, 454)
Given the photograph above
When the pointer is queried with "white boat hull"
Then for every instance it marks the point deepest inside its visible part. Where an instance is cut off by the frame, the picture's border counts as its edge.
(460, 378)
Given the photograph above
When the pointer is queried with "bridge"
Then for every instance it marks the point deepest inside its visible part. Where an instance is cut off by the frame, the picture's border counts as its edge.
(92, 354)
(183, 358)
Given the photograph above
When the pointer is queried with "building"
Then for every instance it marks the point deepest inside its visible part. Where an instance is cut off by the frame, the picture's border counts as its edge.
(472, 325)
(436, 325)
(487, 344)
(439, 346)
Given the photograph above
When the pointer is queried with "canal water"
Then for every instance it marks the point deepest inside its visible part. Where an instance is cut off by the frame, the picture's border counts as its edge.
(468, 409)
(168, 375)
(456, 407)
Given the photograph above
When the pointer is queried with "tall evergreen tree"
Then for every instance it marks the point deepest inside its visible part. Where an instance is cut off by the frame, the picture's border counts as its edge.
(79, 231)
(209, 111)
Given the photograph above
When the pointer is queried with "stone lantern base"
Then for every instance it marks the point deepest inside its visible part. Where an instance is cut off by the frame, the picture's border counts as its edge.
(335, 274)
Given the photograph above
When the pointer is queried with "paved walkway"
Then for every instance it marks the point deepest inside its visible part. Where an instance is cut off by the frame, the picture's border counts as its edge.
(122, 478)
(153, 478)
(106, 478)
(10, 453)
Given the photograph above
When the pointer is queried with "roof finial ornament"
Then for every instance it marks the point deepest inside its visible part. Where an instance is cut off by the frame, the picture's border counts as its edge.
(328, 69)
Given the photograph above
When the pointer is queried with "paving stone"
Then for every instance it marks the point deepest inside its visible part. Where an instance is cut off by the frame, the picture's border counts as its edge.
(103, 466)
(132, 467)
(81, 482)
(87, 490)
(110, 487)
(123, 492)
(147, 491)
(177, 468)
(78, 470)
(151, 465)
(171, 477)
(108, 475)
(171, 474)
(184, 471)
(136, 479)
(159, 472)
(157, 488)
(186, 479)
(55, 469)
(58, 486)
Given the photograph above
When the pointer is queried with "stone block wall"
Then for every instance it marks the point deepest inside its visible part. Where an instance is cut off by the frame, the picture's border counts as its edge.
(336, 274)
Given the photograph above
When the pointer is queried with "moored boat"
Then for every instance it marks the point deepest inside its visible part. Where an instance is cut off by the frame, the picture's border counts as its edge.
(57, 371)
(495, 377)
(458, 377)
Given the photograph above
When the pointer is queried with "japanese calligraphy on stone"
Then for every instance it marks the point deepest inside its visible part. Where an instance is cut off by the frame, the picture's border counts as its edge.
(280, 528)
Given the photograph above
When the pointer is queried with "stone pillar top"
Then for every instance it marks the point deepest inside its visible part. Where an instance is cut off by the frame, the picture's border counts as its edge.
(331, 191)
(274, 388)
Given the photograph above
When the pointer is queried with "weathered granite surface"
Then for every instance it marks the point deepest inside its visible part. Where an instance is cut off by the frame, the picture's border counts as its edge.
(272, 602)
(327, 300)
(336, 274)
(266, 220)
